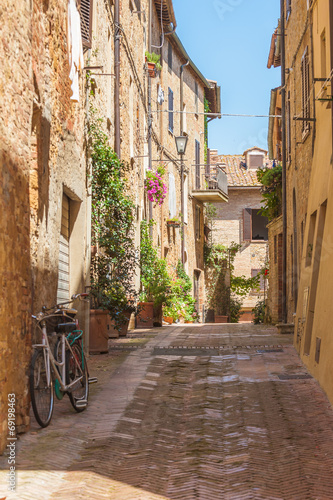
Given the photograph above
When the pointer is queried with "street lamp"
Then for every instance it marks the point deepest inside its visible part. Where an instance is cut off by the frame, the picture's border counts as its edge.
(181, 143)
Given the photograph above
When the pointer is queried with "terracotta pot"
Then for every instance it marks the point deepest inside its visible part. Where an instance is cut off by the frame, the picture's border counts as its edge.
(98, 331)
(221, 319)
(167, 319)
(188, 321)
(151, 69)
(171, 223)
(113, 333)
(145, 318)
(124, 327)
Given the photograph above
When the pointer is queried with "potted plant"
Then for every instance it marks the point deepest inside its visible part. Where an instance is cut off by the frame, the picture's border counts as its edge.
(174, 222)
(180, 305)
(113, 267)
(153, 63)
(154, 185)
(155, 281)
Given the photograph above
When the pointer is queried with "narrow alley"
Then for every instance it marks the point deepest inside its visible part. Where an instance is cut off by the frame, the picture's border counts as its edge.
(187, 412)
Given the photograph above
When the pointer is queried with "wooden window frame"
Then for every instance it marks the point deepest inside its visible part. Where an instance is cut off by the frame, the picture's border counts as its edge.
(87, 43)
(170, 109)
(196, 98)
(197, 222)
(197, 165)
(305, 80)
(170, 57)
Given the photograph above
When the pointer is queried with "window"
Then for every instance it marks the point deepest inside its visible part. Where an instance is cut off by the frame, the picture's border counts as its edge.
(256, 160)
(197, 164)
(305, 92)
(63, 291)
(172, 196)
(323, 54)
(170, 104)
(170, 57)
(288, 8)
(184, 119)
(288, 114)
(85, 8)
(275, 249)
(254, 225)
(196, 98)
(185, 199)
(197, 222)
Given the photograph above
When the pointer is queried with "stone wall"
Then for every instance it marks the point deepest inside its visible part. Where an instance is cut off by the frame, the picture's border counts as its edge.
(274, 302)
(41, 148)
(15, 276)
(298, 40)
(228, 228)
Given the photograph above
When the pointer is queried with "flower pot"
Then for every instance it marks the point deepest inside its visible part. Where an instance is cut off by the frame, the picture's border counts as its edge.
(188, 321)
(98, 331)
(113, 333)
(172, 223)
(145, 318)
(124, 327)
(157, 318)
(151, 69)
(167, 319)
(221, 319)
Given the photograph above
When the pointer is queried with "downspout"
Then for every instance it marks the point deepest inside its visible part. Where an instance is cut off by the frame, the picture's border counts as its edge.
(182, 201)
(331, 50)
(150, 18)
(117, 78)
(284, 173)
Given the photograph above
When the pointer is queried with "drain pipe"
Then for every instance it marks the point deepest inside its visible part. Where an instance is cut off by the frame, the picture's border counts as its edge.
(150, 154)
(182, 201)
(284, 181)
(117, 78)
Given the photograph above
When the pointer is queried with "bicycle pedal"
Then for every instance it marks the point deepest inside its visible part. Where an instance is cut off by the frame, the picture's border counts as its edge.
(81, 403)
(92, 380)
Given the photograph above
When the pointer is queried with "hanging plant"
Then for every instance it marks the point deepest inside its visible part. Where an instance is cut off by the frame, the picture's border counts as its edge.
(154, 185)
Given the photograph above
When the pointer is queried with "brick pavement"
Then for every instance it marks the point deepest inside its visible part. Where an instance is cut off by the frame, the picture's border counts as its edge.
(198, 412)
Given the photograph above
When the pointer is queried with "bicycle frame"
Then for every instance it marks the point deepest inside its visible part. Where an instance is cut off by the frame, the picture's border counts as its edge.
(50, 361)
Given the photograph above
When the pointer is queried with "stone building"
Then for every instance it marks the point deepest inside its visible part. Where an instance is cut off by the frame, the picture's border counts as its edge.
(300, 133)
(240, 220)
(45, 190)
(45, 232)
(308, 118)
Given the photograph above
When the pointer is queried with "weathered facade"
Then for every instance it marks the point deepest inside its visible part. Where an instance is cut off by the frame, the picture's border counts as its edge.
(312, 334)
(43, 184)
(240, 220)
(308, 119)
(44, 180)
(300, 134)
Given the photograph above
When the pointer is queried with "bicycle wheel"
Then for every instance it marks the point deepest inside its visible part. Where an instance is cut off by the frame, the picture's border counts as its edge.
(79, 394)
(41, 393)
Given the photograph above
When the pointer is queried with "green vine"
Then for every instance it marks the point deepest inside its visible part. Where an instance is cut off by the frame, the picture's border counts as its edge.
(271, 180)
(113, 267)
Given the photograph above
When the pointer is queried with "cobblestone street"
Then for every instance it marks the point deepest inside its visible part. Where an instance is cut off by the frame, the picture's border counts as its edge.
(186, 412)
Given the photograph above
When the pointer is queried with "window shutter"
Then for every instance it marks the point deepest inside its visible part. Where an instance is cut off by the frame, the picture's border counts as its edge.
(305, 90)
(170, 102)
(197, 164)
(247, 224)
(170, 56)
(85, 7)
(196, 99)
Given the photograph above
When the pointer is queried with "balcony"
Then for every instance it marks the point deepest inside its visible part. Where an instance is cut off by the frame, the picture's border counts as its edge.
(211, 184)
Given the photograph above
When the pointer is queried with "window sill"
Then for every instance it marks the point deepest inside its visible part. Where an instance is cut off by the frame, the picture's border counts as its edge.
(258, 241)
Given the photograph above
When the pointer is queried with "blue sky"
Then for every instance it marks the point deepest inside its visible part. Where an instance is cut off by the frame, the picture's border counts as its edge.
(229, 41)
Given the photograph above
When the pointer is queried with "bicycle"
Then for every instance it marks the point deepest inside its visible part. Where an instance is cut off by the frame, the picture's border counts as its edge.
(63, 371)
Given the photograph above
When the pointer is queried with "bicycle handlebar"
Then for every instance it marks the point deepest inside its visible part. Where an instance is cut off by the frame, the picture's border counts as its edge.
(59, 306)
